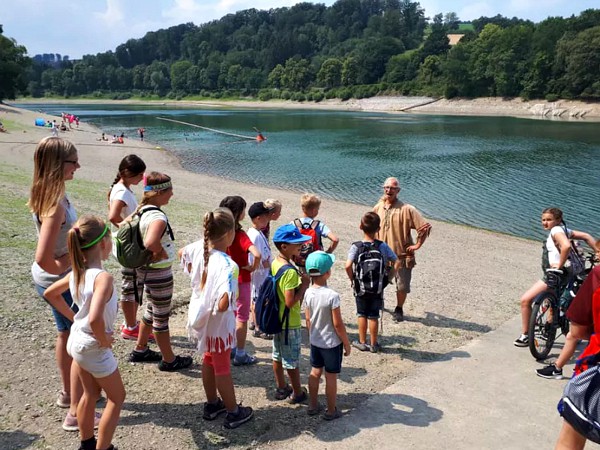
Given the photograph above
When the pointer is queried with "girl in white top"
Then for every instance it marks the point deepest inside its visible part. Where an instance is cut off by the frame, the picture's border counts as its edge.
(55, 162)
(122, 204)
(211, 319)
(555, 255)
(91, 339)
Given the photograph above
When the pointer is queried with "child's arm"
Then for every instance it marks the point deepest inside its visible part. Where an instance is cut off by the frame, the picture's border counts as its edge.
(293, 296)
(223, 302)
(340, 329)
(349, 270)
(564, 245)
(580, 235)
(114, 213)
(256, 261)
(103, 289)
(185, 263)
(54, 295)
(307, 318)
(44, 252)
(334, 242)
(152, 240)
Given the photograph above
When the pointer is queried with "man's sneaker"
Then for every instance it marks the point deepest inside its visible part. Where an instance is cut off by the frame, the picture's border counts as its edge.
(243, 415)
(179, 363)
(63, 400)
(360, 345)
(550, 371)
(70, 422)
(398, 314)
(212, 410)
(522, 341)
(132, 334)
(145, 356)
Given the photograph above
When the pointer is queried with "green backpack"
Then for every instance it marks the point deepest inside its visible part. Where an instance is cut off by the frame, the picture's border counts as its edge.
(131, 252)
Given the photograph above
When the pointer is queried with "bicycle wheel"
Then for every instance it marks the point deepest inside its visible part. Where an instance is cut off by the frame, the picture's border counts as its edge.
(542, 331)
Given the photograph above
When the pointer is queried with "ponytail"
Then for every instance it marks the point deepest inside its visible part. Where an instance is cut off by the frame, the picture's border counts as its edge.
(216, 224)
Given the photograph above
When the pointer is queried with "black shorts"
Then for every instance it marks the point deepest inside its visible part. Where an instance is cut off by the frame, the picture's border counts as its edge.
(368, 307)
(330, 358)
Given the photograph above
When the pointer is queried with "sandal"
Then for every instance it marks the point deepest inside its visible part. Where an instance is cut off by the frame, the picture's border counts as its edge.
(294, 400)
(180, 362)
(283, 393)
(336, 415)
(245, 360)
(314, 411)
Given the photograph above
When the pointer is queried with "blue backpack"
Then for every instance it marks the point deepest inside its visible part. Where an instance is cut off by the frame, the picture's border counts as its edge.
(266, 306)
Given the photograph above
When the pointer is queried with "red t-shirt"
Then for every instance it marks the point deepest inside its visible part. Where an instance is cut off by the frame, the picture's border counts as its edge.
(239, 253)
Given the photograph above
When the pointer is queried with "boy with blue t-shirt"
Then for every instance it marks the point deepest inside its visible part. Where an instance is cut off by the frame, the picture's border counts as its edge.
(328, 338)
(368, 304)
(290, 291)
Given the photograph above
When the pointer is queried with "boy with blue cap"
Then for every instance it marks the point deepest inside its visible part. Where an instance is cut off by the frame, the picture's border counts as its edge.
(328, 338)
(290, 291)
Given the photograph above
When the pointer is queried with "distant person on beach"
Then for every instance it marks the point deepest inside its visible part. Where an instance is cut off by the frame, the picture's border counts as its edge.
(275, 207)
(259, 215)
(91, 339)
(211, 317)
(122, 204)
(53, 128)
(141, 133)
(555, 255)
(397, 221)
(157, 277)
(328, 338)
(316, 229)
(239, 250)
(55, 162)
(370, 265)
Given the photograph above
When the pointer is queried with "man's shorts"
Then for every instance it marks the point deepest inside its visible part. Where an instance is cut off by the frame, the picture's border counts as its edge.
(403, 277)
(219, 361)
(288, 355)
(62, 323)
(330, 358)
(368, 307)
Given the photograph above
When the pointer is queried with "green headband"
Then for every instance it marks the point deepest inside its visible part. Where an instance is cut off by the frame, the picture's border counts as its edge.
(98, 239)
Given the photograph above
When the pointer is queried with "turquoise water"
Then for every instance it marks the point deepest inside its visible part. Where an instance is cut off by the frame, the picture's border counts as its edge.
(496, 173)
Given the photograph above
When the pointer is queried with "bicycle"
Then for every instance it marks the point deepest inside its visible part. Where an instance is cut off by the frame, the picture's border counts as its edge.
(547, 313)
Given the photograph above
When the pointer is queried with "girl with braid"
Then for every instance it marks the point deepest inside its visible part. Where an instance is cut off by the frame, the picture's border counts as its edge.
(211, 320)
(91, 338)
(157, 277)
(121, 204)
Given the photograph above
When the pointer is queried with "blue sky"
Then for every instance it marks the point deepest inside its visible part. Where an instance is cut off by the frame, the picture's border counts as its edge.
(81, 27)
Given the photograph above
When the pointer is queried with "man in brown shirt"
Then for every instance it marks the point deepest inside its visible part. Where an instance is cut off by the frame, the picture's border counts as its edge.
(397, 221)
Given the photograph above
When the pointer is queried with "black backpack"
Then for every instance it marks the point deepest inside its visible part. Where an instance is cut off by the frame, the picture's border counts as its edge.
(266, 307)
(369, 269)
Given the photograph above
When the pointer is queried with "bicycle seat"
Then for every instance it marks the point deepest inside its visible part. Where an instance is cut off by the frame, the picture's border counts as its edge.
(555, 271)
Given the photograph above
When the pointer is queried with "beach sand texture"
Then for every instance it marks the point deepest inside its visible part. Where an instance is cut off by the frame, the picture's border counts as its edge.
(467, 282)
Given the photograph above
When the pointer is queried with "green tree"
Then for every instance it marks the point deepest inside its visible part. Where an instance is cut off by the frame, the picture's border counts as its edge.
(350, 71)
(330, 74)
(179, 79)
(13, 64)
(276, 76)
(580, 58)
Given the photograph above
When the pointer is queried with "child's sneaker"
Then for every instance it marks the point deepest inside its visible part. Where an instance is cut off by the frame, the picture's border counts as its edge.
(550, 372)
(70, 422)
(246, 360)
(63, 400)
(335, 415)
(376, 348)
(179, 363)
(212, 410)
(522, 341)
(363, 347)
(133, 333)
(145, 356)
(243, 415)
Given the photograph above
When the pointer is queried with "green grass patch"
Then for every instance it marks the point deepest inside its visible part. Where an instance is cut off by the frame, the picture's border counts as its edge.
(12, 126)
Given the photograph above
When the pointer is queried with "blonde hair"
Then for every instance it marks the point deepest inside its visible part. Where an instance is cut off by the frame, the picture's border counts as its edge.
(216, 224)
(48, 186)
(273, 204)
(309, 201)
(85, 231)
(152, 179)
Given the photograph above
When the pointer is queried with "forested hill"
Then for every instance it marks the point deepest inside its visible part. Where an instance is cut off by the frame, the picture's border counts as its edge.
(354, 48)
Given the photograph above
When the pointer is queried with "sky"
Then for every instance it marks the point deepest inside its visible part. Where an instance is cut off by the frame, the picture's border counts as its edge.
(82, 27)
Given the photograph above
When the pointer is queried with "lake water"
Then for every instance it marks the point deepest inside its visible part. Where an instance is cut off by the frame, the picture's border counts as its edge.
(496, 173)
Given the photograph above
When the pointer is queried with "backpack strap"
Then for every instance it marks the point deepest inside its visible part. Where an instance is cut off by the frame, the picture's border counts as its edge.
(359, 245)
(285, 321)
(168, 229)
(298, 224)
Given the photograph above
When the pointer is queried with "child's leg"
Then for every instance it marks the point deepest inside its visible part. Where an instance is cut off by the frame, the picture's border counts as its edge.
(294, 375)
(526, 299)
(128, 304)
(225, 388)
(277, 345)
(243, 314)
(159, 293)
(115, 396)
(279, 376)
(362, 329)
(208, 378)
(331, 391)
(373, 330)
(87, 403)
(313, 387)
(74, 382)
(291, 358)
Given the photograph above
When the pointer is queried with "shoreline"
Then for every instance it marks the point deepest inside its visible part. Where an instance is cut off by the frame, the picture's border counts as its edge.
(460, 291)
(561, 110)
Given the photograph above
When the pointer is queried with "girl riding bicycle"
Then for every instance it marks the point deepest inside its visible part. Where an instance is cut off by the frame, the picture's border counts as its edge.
(555, 255)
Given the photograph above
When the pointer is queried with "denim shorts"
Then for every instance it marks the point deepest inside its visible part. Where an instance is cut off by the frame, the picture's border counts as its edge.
(330, 358)
(288, 355)
(368, 307)
(62, 323)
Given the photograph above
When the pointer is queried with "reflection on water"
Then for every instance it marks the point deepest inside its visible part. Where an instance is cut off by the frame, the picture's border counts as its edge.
(494, 173)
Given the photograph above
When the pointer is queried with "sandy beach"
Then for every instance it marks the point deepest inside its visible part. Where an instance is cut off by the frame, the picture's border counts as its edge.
(467, 282)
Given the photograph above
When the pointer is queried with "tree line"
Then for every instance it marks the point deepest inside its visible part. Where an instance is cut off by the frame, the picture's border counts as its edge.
(353, 48)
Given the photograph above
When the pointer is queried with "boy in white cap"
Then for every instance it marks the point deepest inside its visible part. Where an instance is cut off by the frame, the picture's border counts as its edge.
(328, 338)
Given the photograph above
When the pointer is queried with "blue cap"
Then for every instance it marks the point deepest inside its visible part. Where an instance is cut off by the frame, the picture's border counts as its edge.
(319, 263)
(289, 234)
